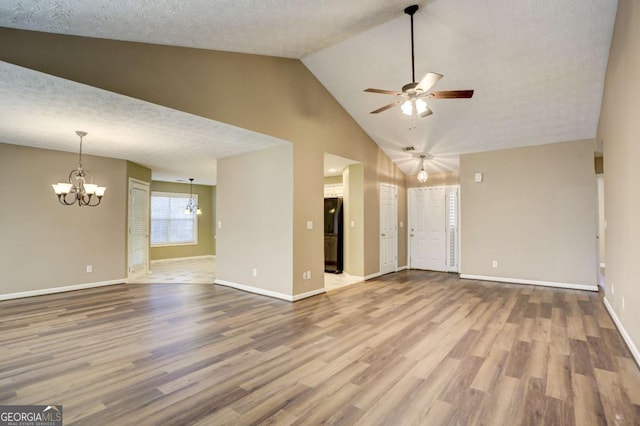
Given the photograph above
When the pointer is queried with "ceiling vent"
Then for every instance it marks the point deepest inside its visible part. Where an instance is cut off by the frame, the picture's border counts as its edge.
(408, 148)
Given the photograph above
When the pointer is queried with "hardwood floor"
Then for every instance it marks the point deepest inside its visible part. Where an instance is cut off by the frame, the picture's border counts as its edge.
(413, 347)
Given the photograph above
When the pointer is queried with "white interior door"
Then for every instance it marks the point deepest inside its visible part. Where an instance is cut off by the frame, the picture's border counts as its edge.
(388, 228)
(138, 227)
(417, 228)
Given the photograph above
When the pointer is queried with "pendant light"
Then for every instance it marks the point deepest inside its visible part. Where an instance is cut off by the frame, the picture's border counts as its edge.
(422, 174)
(192, 207)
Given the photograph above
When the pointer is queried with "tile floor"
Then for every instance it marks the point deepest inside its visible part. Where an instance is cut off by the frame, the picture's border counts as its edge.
(180, 271)
(335, 281)
(203, 271)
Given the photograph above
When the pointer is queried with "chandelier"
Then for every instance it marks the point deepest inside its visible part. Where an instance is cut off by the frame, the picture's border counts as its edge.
(192, 207)
(422, 174)
(80, 188)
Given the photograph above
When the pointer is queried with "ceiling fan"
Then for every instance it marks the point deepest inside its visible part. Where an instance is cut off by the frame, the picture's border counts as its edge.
(411, 99)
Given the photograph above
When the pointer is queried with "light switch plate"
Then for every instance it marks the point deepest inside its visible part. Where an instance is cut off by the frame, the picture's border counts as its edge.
(478, 177)
(309, 224)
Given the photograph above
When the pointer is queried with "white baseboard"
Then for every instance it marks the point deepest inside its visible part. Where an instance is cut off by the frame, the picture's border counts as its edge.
(571, 286)
(311, 293)
(250, 289)
(621, 329)
(59, 289)
(379, 274)
(175, 259)
(372, 276)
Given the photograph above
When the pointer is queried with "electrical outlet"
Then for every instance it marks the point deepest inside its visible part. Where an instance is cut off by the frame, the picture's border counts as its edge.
(255, 272)
(304, 275)
(623, 303)
(89, 268)
(494, 264)
(308, 275)
(612, 290)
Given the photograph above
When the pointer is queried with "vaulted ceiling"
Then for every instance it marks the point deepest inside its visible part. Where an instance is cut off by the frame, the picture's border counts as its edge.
(537, 66)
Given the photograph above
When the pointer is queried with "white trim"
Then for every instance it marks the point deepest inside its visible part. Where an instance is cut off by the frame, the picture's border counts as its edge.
(145, 186)
(621, 329)
(587, 287)
(602, 264)
(308, 294)
(394, 189)
(372, 276)
(402, 268)
(250, 289)
(54, 290)
(176, 259)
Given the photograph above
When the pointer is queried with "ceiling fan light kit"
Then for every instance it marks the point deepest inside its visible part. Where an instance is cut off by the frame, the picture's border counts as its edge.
(412, 97)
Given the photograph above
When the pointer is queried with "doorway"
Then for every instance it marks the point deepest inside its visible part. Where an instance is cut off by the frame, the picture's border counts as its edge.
(433, 228)
(343, 221)
(138, 232)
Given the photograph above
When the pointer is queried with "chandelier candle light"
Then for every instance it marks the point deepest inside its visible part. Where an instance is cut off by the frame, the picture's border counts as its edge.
(80, 188)
(192, 207)
(422, 174)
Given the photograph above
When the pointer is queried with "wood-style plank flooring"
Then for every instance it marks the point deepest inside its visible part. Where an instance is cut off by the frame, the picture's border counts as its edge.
(414, 348)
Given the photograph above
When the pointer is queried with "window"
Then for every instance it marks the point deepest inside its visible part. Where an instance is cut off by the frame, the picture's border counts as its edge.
(169, 224)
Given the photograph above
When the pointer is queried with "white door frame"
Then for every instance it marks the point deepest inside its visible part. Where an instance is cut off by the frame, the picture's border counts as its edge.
(147, 187)
(394, 189)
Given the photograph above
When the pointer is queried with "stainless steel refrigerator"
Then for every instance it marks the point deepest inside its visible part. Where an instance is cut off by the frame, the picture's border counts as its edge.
(333, 235)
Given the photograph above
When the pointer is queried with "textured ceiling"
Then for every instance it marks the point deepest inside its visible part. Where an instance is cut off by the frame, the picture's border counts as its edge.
(43, 111)
(289, 28)
(537, 66)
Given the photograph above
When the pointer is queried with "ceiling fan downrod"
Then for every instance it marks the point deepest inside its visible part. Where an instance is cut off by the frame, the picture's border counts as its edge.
(411, 10)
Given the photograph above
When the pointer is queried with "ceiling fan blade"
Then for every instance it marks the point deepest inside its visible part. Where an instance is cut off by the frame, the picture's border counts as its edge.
(384, 92)
(426, 113)
(428, 81)
(386, 107)
(452, 94)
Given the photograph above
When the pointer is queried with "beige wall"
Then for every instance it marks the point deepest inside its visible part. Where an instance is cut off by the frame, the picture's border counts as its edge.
(255, 207)
(534, 212)
(274, 96)
(435, 179)
(353, 178)
(45, 244)
(619, 128)
(599, 164)
(205, 246)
